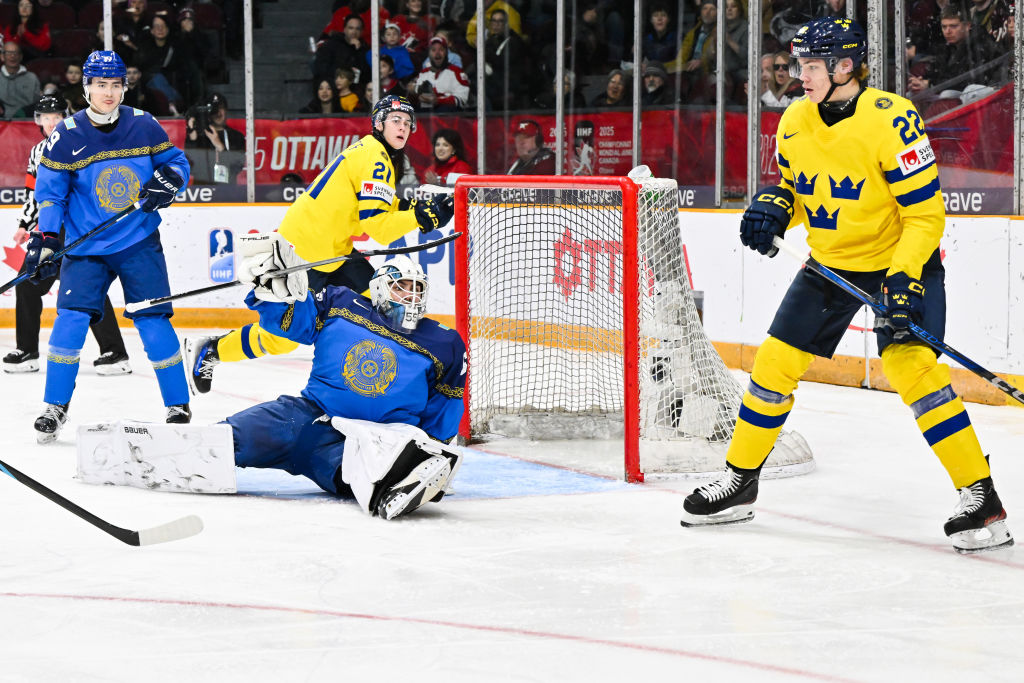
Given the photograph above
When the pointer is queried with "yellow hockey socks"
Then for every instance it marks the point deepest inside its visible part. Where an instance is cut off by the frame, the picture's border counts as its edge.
(924, 385)
(767, 402)
(251, 341)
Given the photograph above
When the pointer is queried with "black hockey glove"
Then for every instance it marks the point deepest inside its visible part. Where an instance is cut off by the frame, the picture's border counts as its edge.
(904, 297)
(38, 264)
(766, 217)
(434, 213)
(159, 191)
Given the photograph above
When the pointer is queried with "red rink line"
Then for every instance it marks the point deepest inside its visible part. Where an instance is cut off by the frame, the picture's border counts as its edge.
(944, 549)
(687, 654)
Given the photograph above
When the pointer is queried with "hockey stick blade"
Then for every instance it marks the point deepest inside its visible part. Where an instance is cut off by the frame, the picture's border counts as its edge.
(60, 254)
(880, 310)
(171, 531)
(139, 305)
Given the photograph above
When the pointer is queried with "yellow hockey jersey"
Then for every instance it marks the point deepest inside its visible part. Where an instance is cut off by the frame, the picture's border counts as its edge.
(354, 194)
(867, 188)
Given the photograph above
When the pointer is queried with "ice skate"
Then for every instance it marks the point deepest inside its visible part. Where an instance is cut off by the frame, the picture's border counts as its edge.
(426, 483)
(180, 414)
(112, 363)
(201, 358)
(49, 424)
(977, 524)
(729, 500)
(21, 361)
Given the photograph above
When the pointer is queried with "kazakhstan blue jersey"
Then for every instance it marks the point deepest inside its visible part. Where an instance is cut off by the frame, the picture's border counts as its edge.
(86, 176)
(365, 370)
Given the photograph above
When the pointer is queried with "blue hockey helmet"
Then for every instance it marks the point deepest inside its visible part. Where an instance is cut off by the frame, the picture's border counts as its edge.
(398, 290)
(830, 39)
(104, 64)
(388, 104)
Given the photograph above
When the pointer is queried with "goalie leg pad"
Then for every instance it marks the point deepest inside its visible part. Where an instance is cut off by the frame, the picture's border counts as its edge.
(393, 469)
(156, 456)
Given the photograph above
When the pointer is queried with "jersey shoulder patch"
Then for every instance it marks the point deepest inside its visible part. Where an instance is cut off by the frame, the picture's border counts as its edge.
(372, 189)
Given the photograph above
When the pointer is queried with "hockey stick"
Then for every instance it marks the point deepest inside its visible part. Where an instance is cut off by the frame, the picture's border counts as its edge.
(171, 531)
(139, 305)
(60, 254)
(881, 311)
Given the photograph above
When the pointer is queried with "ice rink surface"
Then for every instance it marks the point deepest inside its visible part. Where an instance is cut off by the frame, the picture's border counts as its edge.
(529, 572)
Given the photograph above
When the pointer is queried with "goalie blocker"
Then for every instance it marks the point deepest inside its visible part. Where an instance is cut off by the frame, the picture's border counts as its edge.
(390, 469)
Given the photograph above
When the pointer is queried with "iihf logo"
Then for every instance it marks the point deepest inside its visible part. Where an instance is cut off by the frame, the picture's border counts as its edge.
(222, 255)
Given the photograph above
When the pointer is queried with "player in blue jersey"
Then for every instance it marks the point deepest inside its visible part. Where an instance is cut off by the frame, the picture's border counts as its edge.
(378, 366)
(383, 397)
(95, 164)
(857, 168)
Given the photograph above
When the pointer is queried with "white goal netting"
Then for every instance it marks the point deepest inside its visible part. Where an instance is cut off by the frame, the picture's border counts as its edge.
(551, 356)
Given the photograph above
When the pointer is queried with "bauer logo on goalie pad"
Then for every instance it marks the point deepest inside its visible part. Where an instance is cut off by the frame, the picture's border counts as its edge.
(916, 158)
(381, 191)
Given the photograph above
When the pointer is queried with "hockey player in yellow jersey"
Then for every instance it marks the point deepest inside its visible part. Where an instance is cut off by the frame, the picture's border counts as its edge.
(354, 194)
(858, 171)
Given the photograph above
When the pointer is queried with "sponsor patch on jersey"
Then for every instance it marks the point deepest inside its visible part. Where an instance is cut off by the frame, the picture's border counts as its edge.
(883, 103)
(382, 191)
(915, 158)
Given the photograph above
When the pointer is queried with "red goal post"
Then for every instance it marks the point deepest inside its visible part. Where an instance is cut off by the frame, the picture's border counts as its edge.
(573, 299)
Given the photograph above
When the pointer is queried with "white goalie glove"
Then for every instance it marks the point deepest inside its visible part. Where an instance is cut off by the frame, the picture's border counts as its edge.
(263, 256)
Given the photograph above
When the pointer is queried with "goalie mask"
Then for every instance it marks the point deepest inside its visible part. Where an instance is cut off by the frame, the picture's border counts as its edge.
(398, 290)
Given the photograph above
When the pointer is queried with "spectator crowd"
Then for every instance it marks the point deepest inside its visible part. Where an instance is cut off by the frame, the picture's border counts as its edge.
(174, 50)
(428, 50)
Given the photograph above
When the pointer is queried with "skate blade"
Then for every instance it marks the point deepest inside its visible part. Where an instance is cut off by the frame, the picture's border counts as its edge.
(113, 370)
(42, 437)
(734, 515)
(993, 537)
(26, 366)
(434, 473)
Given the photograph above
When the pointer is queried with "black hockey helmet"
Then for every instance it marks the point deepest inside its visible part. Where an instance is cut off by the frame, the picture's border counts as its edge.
(388, 104)
(50, 104)
(830, 39)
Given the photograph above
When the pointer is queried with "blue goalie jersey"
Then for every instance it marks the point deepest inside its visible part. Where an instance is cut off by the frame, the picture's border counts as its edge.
(364, 369)
(86, 176)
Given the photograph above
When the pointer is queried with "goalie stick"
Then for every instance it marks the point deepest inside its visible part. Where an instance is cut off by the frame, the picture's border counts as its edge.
(881, 311)
(139, 305)
(60, 254)
(171, 531)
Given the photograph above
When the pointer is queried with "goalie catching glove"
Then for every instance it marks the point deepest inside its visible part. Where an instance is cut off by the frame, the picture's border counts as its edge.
(767, 216)
(433, 213)
(263, 257)
(38, 258)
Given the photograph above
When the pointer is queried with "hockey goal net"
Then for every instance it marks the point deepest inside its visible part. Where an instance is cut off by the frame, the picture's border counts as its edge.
(573, 297)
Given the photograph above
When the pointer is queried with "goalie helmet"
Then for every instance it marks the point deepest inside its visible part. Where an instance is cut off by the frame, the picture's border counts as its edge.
(830, 39)
(402, 305)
